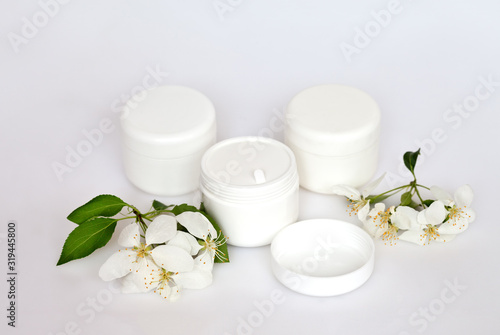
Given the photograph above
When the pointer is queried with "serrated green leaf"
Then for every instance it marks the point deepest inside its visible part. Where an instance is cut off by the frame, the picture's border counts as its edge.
(86, 238)
(188, 208)
(103, 205)
(410, 160)
(406, 199)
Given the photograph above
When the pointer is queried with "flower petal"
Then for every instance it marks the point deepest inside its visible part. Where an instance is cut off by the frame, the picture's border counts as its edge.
(347, 191)
(130, 236)
(172, 258)
(363, 211)
(144, 278)
(196, 279)
(380, 231)
(118, 265)
(205, 261)
(379, 207)
(185, 241)
(164, 290)
(470, 214)
(129, 285)
(404, 217)
(434, 214)
(197, 224)
(441, 195)
(414, 236)
(172, 293)
(367, 190)
(464, 196)
(453, 227)
(372, 223)
(444, 238)
(370, 226)
(162, 229)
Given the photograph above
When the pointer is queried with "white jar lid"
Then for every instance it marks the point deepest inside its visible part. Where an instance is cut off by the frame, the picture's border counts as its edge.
(332, 120)
(168, 122)
(322, 257)
(249, 168)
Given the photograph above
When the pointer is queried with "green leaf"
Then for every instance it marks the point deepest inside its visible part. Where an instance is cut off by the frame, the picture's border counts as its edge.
(428, 202)
(103, 205)
(410, 160)
(378, 198)
(184, 208)
(414, 204)
(406, 199)
(159, 205)
(188, 208)
(86, 238)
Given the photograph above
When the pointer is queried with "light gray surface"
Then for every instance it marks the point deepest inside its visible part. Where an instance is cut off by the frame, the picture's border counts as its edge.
(72, 74)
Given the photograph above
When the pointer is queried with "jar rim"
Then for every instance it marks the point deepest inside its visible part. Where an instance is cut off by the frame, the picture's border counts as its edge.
(233, 192)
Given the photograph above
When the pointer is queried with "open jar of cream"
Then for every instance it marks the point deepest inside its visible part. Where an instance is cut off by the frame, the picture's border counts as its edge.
(250, 186)
(333, 131)
(165, 131)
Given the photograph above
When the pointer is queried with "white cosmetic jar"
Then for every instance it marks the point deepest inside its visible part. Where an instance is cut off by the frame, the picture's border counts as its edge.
(334, 132)
(250, 185)
(165, 131)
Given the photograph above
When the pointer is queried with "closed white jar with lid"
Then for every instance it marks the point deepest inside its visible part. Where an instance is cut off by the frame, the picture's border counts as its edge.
(250, 186)
(334, 132)
(165, 131)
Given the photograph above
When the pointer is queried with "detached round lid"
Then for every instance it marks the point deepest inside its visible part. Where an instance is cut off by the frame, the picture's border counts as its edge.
(332, 120)
(168, 122)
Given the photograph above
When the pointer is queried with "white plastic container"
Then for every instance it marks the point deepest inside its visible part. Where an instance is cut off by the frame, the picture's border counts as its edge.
(165, 132)
(250, 186)
(334, 132)
(322, 257)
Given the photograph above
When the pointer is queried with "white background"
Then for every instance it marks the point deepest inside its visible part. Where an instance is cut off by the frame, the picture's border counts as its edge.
(250, 59)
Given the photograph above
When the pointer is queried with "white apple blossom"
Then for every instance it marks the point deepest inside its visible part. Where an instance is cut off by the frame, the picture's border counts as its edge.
(166, 283)
(378, 223)
(170, 283)
(460, 214)
(358, 203)
(429, 226)
(199, 226)
(140, 261)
